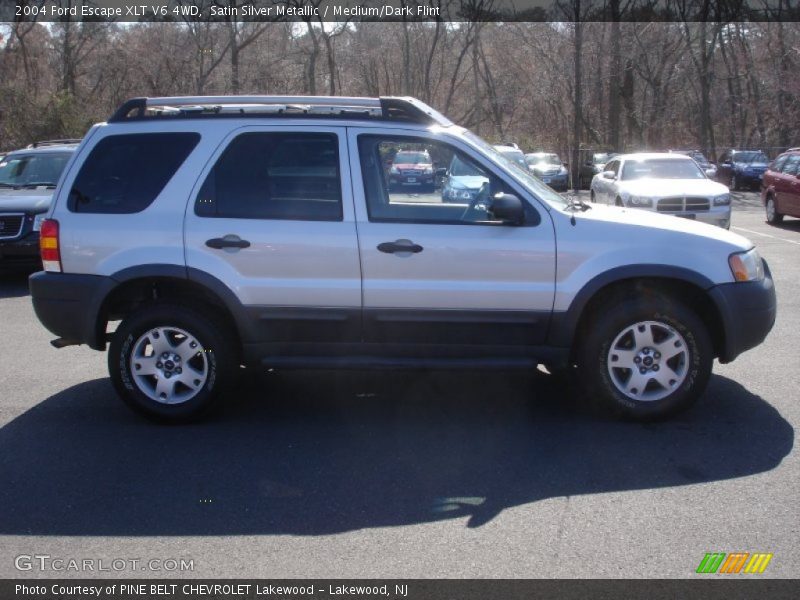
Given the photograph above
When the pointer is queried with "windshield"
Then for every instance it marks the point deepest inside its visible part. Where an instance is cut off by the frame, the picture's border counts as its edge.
(515, 155)
(412, 158)
(542, 159)
(41, 169)
(522, 173)
(603, 157)
(459, 168)
(661, 168)
(750, 157)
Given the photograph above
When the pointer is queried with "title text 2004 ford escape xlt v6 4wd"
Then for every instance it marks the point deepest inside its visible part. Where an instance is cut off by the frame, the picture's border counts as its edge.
(223, 231)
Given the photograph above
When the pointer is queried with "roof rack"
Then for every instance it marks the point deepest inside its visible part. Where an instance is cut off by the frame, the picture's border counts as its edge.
(387, 107)
(792, 150)
(53, 143)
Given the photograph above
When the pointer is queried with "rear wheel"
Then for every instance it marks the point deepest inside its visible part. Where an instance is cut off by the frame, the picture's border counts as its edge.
(645, 358)
(592, 196)
(773, 216)
(171, 363)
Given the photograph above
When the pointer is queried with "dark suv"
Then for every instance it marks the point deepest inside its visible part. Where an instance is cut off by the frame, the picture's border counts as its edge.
(742, 168)
(28, 178)
(780, 191)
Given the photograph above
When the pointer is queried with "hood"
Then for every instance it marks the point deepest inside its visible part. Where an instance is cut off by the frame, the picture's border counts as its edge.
(663, 188)
(755, 165)
(29, 201)
(420, 166)
(666, 224)
(468, 182)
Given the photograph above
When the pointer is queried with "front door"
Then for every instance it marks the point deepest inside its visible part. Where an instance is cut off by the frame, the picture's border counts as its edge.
(440, 274)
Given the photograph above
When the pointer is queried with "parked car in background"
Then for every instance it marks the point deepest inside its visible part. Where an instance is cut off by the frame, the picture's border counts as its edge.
(549, 168)
(780, 191)
(512, 153)
(412, 170)
(708, 167)
(592, 165)
(670, 184)
(463, 181)
(739, 169)
(27, 180)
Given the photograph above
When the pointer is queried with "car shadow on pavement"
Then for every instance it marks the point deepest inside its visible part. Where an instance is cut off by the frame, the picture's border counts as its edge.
(313, 453)
(13, 283)
(788, 225)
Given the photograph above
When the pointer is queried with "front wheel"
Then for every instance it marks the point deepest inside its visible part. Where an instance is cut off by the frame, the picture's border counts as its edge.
(645, 359)
(734, 183)
(773, 216)
(171, 363)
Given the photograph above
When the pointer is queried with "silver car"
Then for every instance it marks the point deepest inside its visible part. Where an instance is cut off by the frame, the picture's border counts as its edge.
(671, 184)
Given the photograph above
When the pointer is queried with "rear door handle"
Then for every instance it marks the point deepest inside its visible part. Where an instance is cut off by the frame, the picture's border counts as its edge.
(229, 241)
(399, 246)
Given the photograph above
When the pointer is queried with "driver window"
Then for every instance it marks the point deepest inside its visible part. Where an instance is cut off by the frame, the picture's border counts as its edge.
(423, 181)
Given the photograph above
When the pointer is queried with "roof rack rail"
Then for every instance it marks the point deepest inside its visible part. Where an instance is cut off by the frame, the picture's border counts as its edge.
(53, 143)
(387, 107)
(792, 150)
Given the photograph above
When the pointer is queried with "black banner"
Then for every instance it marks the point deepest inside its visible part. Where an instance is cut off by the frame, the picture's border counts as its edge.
(722, 588)
(400, 10)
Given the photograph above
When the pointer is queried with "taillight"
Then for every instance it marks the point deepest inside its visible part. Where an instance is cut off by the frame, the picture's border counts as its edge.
(48, 246)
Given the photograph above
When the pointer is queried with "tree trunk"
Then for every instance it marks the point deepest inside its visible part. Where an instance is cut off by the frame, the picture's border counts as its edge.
(577, 100)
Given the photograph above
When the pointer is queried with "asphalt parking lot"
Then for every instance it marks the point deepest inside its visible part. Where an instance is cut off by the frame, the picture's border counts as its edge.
(387, 474)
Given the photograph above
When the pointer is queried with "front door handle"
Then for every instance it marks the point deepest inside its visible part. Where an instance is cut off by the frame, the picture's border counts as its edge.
(229, 241)
(399, 246)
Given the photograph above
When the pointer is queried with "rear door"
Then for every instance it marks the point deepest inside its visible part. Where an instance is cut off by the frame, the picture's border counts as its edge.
(445, 276)
(787, 186)
(272, 218)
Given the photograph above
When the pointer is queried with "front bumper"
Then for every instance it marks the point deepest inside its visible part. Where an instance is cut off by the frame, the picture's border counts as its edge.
(748, 312)
(749, 177)
(68, 305)
(23, 250)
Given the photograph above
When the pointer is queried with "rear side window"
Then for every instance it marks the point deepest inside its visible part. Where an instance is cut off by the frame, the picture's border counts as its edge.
(791, 166)
(289, 176)
(778, 164)
(125, 173)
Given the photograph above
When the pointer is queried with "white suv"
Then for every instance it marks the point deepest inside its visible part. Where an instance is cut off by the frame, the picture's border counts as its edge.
(224, 231)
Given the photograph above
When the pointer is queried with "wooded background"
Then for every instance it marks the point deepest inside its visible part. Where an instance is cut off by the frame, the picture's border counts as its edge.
(553, 86)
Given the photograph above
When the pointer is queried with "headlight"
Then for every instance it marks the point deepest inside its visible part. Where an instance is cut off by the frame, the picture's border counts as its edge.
(37, 221)
(562, 171)
(428, 171)
(394, 170)
(640, 201)
(723, 200)
(746, 266)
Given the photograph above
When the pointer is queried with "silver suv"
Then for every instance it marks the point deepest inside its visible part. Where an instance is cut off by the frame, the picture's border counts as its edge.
(227, 231)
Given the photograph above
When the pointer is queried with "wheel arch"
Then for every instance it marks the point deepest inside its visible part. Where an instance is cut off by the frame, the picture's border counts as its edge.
(138, 285)
(683, 284)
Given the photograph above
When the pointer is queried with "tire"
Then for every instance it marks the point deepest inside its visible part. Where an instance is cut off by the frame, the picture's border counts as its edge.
(734, 183)
(609, 345)
(773, 216)
(618, 202)
(592, 197)
(200, 370)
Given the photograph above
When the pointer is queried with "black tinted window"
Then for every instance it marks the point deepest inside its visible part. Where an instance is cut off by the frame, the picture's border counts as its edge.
(275, 176)
(125, 173)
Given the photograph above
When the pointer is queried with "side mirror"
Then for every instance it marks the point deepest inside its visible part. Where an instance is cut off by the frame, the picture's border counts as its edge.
(609, 175)
(507, 208)
(726, 163)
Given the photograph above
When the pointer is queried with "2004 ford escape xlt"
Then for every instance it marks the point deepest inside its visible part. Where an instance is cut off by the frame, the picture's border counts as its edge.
(229, 231)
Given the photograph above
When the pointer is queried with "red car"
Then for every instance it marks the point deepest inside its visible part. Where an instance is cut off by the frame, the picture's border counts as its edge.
(412, 169)
(780, 190)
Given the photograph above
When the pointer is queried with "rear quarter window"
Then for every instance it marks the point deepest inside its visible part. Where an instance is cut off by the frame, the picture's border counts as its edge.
(124, 174)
